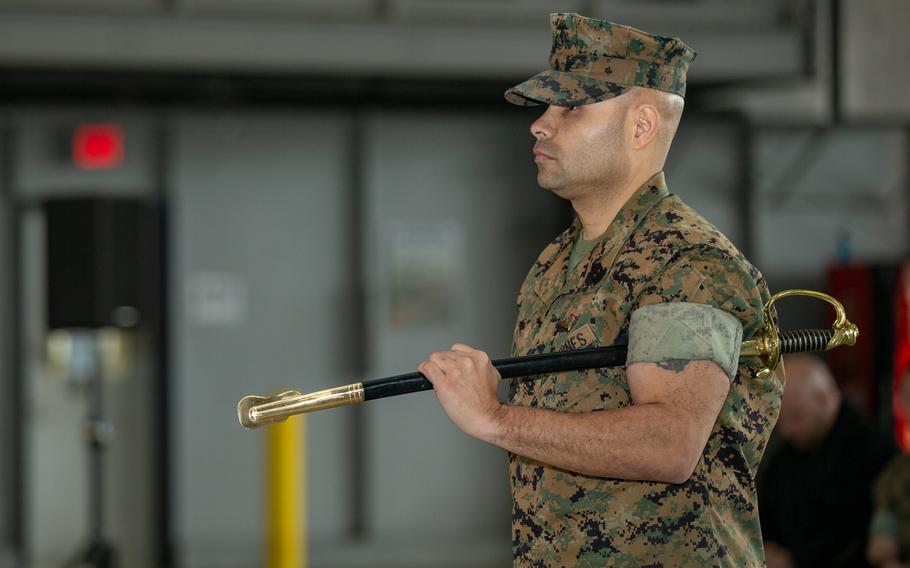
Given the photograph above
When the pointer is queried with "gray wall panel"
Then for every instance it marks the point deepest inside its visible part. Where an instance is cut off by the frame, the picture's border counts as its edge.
(846, 195)
(875, 75)
(464, 186)
(259, 212)
(703, 168)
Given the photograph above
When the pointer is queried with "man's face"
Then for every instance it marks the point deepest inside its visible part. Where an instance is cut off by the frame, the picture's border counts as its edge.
(796, 425)
(802, 418)
(582, 149)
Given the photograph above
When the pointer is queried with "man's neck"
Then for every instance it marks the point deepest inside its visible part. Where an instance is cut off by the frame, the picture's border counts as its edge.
(597, 209)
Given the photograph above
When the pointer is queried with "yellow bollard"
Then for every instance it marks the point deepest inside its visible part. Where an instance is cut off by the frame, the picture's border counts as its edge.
(286, 494)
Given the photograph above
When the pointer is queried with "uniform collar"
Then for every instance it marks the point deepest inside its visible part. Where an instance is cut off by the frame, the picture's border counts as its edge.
(553, 278)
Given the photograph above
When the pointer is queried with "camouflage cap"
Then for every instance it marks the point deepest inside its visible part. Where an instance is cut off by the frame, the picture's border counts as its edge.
(594, 60)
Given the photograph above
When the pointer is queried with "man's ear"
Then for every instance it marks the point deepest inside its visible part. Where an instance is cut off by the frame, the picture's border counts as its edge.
(647, 123)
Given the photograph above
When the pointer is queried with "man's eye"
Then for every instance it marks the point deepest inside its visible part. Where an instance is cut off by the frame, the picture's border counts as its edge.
(572, 107)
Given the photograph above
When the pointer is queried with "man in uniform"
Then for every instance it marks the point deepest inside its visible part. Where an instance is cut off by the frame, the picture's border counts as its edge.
(815, 489)
(652, 464)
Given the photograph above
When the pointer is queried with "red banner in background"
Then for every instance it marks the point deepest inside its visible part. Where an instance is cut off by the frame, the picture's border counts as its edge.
(901, 353)
(854, 367)
(877, 300)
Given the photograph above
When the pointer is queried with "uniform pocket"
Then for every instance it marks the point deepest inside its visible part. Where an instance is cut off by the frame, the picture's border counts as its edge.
(588, 389)
(583, 337)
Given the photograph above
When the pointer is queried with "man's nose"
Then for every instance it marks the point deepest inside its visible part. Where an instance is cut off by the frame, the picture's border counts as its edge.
(544, 127)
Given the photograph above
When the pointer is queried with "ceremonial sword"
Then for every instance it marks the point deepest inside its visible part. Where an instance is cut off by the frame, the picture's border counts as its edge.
(767, 344)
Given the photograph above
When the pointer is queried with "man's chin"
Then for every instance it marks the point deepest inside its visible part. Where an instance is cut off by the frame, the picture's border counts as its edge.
(551, 185)
(547, 182)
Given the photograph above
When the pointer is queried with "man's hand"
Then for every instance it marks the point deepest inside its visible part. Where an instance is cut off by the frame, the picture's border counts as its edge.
(466, 384)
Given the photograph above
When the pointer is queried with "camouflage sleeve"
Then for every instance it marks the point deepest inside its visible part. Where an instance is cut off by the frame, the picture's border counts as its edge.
(703, 274)
(888, 487)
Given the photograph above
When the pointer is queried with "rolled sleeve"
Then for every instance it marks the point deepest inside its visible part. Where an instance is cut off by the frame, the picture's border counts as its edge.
(683, 330)
(726, 286)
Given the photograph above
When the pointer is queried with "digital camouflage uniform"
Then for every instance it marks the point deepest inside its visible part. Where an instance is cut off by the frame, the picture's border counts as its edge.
(656, 250)
(892, 502)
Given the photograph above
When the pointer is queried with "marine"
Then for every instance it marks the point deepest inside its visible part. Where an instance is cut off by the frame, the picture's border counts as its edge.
(652, 464)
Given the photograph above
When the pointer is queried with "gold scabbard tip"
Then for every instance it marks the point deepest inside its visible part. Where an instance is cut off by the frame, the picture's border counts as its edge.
(243, 410)
(254, 411)
(249, 409)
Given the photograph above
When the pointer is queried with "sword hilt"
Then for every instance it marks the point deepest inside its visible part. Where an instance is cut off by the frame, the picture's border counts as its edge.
(768, 344)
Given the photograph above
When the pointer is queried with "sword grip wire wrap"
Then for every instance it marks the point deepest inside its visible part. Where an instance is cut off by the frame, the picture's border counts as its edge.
(803, 340)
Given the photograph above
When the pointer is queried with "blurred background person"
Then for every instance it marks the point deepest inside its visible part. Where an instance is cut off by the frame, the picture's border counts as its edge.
(814, 493)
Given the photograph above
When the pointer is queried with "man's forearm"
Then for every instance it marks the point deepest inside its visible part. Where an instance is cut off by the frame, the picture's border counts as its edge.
(660, 437)
(638, 442)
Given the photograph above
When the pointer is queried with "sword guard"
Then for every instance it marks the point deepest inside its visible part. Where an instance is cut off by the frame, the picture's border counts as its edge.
(768, 346)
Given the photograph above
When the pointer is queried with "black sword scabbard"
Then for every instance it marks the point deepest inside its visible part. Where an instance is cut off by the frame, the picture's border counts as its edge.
(767, 345)
(526, 366)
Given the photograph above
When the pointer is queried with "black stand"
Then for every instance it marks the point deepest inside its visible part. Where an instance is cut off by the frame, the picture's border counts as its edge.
(98, 553)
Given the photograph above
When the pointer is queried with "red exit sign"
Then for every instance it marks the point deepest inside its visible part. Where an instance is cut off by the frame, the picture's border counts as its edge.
(98, 146)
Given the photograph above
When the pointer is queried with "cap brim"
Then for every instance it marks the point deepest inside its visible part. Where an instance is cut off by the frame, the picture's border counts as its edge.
(563, 88)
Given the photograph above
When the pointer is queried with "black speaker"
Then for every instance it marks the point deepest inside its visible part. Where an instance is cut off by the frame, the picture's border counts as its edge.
(103, 261)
